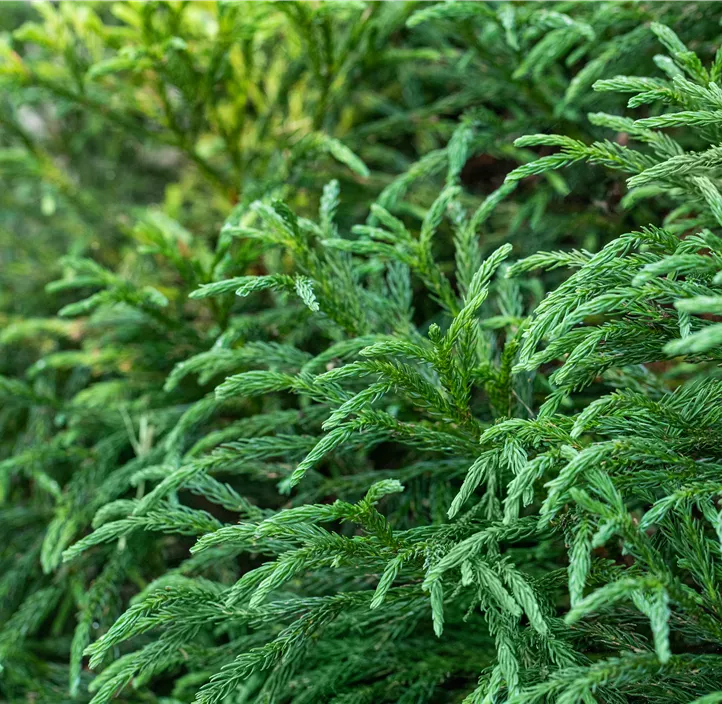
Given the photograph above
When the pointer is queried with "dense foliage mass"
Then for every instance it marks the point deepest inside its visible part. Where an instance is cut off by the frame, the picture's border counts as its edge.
(382, 361)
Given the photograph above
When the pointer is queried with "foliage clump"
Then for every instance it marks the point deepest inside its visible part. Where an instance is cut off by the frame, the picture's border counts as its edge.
(397, 383)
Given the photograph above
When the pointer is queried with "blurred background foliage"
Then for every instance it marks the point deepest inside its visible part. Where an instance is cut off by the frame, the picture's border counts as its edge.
(192, 107)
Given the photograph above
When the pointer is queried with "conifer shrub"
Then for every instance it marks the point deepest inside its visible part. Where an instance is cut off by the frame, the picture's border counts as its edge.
(307, 427)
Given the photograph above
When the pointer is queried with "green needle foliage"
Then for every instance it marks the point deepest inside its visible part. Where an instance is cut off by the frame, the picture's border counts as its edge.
(308, 426)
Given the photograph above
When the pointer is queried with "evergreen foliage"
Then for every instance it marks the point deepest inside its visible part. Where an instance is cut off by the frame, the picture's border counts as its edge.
(307, 426)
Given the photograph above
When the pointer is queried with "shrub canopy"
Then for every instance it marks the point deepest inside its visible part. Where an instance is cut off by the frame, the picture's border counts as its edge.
(381, 363)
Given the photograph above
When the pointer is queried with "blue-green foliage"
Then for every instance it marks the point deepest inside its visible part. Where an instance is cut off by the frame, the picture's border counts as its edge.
(331, 453)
